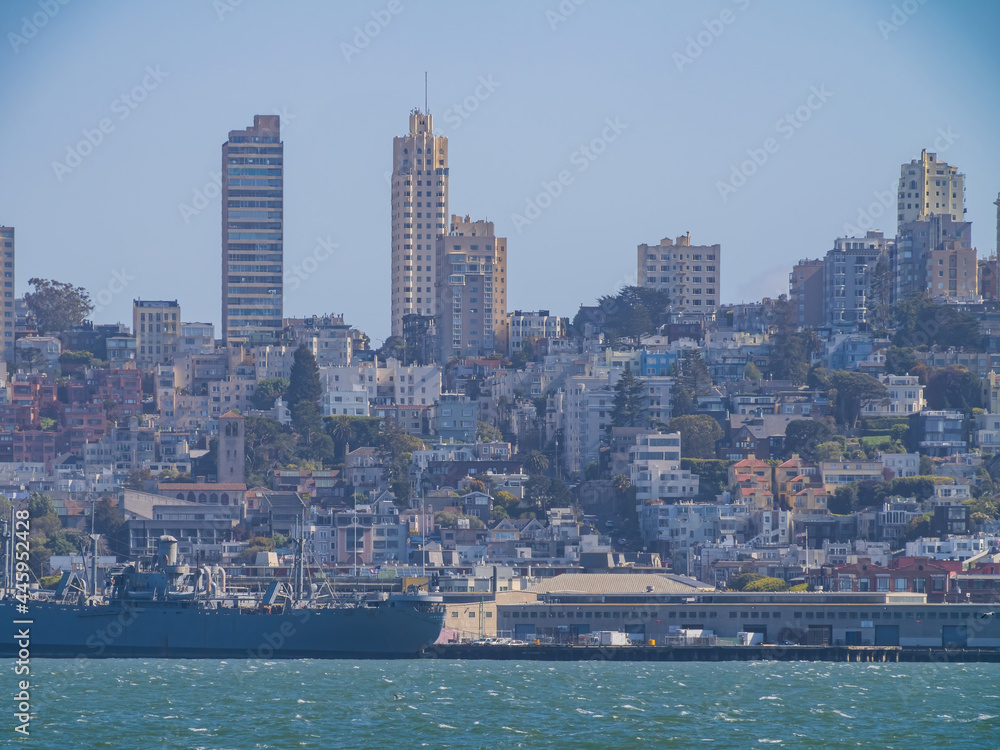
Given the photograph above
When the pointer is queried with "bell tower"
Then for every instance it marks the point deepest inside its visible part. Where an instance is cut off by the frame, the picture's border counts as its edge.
(232, 449)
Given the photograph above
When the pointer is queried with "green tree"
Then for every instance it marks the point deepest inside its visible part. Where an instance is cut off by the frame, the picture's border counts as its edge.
(486, 433)
(899, 361)
(349, 432)
(699, 434)
(621, 483)
(713, 475)
(741, 581)
(832, 450)
(854, 389)
(766, 584)
(56, 305)
(341, 429)
(787, 358)
(844, 500)
(691, 379)
(752, 373)
(109, 521)
(922, 322)
(917, 527)
(926, 466)
(40, 505)
(632, 312)
(629, 407)
(803, 436)
(304, 392)
(268, 444)
(267, 391)
(953, 387)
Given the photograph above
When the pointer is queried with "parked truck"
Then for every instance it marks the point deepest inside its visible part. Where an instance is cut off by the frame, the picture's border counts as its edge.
(609, 638)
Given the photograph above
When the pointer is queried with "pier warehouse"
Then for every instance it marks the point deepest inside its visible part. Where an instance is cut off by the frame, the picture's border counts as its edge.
(662, 608)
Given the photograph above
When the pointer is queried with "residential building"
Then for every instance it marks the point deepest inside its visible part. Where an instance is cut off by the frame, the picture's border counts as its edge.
(847, 278)
(38, 352)
(901, 464)
(8, 314)
(419, 337)
(836, 473)
(470, 290)
(689, 274)
(988, 278)
(371, 534)
(419, 187)
(252, 231)
(156, 325)
(805, 292)
(456, 418)
(941, 433)
(930, 187)
(655, 470)
(524, 325)
(409, 385)
(987, 434)
(906, 396)
(352, 401)
(936, 255)
(196, 338)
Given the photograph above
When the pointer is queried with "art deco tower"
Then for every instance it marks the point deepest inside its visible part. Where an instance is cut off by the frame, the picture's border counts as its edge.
(419, 209)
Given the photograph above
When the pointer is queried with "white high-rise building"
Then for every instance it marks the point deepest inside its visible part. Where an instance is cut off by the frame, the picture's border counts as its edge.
(419, 214)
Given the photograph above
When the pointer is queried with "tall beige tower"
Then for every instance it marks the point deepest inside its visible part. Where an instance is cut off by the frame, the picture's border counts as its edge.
(231, 449)
(929, 187)
(471, 290)
(419, 211)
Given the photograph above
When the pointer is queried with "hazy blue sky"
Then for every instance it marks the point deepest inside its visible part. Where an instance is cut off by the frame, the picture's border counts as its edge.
(872, 82)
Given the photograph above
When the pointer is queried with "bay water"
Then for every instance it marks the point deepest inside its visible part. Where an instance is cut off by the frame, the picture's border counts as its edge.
(505, 705)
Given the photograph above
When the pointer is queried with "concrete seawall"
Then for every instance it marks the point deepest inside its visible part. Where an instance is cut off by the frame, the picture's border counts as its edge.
(861, 654)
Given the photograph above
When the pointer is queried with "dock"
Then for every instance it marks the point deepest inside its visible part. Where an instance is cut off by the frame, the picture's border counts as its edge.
(850, 654)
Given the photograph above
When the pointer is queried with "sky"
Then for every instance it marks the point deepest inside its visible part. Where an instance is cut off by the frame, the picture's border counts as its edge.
(581, 128)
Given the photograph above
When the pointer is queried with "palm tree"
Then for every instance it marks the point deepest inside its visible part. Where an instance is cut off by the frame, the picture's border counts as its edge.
(535, 462)
(342, 430)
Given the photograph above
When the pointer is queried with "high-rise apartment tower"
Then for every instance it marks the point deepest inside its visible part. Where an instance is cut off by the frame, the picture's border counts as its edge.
(252, 231)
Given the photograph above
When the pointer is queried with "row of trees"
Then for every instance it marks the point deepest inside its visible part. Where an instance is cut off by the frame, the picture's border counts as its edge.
(49, 538)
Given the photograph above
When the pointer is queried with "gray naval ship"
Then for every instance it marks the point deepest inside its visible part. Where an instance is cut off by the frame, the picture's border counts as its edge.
(166, 609)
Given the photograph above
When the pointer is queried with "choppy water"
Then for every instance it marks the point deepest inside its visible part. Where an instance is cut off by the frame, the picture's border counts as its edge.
(504, 705)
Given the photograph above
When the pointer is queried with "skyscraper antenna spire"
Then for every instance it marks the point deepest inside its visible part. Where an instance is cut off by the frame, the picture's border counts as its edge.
(425, 93)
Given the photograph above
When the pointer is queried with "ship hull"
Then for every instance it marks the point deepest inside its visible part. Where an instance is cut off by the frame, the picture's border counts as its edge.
(185, 631)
